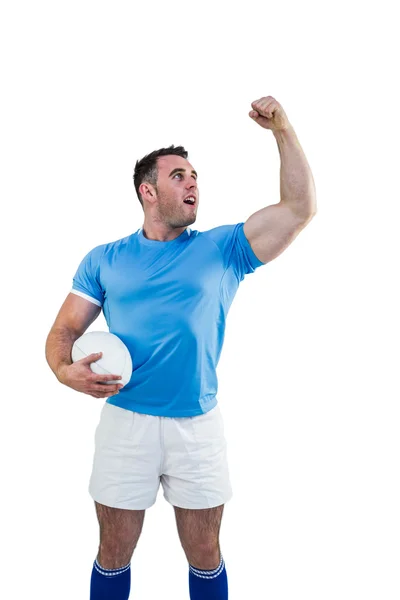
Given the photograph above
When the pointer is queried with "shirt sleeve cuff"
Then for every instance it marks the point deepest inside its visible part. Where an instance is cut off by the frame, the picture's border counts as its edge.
(82, 295)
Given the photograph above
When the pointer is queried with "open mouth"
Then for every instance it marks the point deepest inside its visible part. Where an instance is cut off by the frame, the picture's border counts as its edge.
(190, 200)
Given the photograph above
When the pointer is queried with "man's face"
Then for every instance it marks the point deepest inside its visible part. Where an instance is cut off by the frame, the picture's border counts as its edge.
(176, 181)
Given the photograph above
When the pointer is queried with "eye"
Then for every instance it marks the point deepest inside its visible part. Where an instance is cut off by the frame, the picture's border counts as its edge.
(181, 175)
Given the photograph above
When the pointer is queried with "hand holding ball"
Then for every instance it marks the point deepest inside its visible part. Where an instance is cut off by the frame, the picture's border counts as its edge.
(101, 365)
(115, 359)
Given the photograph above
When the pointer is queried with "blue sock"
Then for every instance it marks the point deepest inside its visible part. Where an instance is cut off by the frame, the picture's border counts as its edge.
(110, 584)
(212, 585)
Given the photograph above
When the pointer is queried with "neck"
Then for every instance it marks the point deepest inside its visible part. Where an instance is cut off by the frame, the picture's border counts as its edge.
(161, 232)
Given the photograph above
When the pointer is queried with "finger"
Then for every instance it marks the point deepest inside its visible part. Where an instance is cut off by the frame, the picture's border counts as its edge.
(256, 104)
(259, 107)
(91, 358)
(265, 105)
(266, 100)
(105, 388)
(107, 377)
(105, 393)
(101, 395)
(270, 109)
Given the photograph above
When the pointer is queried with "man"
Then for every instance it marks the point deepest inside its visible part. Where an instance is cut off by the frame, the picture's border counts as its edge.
(165, 291)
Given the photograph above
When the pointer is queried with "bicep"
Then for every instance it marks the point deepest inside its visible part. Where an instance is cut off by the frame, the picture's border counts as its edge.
(272, 229)
(77, 314)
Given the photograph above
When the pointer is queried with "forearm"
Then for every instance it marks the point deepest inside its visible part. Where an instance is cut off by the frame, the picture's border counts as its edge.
(58, 348)
(297, 186)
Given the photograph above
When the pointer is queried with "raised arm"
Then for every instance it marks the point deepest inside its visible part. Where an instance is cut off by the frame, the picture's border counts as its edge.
(271, 229)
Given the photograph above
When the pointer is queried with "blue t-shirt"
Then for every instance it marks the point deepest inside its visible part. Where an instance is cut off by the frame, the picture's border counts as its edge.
(168, 302)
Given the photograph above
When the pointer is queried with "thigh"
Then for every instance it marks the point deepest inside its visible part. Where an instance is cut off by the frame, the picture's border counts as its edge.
(119, 526)
(125, 472)
(195, 469)
(198, 526)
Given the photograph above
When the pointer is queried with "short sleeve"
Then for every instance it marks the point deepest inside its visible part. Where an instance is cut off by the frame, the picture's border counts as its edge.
(235, 248)
(86, 281)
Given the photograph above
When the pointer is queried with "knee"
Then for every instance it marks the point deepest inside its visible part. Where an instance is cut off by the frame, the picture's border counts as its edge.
(203, 555)
(114, 555)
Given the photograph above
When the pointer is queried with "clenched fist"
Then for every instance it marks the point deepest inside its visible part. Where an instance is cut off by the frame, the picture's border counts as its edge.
(268, 113)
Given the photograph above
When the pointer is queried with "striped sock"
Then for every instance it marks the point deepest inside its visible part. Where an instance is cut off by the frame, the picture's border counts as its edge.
(212, 585)
(110, 584)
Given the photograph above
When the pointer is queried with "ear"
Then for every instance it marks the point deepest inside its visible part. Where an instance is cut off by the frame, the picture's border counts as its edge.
(148, 192)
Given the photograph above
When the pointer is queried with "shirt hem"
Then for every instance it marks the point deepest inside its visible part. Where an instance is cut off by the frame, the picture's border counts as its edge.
(146, 410)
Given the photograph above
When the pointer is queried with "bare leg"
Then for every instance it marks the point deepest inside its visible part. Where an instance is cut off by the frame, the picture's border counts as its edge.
(120, 530)
(198, 531)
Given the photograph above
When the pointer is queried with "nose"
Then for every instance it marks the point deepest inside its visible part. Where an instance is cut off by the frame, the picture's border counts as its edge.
(192, 185)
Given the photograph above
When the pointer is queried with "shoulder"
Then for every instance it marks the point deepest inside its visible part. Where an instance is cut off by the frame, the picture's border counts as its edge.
(110, 247)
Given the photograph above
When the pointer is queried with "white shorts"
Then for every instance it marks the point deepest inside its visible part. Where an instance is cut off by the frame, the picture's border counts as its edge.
(134, 452)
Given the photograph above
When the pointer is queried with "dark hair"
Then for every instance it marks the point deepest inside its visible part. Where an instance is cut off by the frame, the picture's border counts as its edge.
(146, 168)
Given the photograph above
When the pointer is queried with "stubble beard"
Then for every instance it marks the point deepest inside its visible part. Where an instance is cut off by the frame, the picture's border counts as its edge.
(173, 214)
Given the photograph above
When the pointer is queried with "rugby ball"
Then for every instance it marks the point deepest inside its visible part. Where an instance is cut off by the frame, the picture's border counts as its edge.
(115, 360)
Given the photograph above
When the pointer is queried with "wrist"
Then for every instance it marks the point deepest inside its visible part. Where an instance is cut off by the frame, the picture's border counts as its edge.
(60, 372)
(283, 135)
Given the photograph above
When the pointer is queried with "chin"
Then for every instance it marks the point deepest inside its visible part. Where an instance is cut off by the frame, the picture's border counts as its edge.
(189, 221)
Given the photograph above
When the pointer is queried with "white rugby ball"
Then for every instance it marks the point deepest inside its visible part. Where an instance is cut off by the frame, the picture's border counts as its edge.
(116, 358)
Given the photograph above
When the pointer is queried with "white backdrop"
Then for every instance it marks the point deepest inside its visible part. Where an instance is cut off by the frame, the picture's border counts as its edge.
(308, 384)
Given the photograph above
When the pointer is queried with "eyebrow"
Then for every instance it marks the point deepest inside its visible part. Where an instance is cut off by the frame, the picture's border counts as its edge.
(180, 170)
